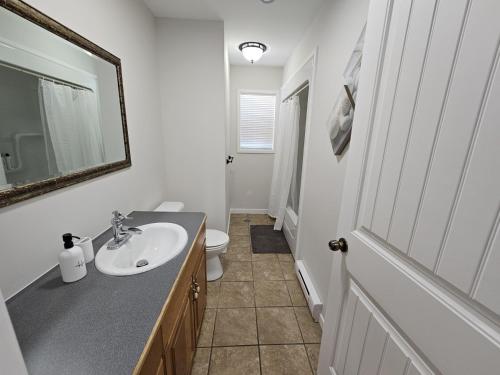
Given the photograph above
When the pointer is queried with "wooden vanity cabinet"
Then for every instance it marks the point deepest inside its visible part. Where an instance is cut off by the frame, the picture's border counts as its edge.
(154, 362)
(181, 351)
(177, 329)
(200, 303)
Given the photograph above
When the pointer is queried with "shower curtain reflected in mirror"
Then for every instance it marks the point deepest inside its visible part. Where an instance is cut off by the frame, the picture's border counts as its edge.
(72, 127)
(3, 178)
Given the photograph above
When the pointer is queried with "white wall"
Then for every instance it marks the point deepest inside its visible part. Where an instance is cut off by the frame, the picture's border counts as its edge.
(335, 32)
(250, 174)
(191, 62)
(30, 231)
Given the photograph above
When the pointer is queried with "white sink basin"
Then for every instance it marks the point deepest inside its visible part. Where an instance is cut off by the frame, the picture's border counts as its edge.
(158, 243)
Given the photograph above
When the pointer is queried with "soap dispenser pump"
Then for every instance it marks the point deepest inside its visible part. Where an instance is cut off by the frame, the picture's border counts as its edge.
(71, 260)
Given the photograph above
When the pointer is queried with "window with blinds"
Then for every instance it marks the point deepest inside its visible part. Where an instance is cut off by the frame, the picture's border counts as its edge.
(256, 122)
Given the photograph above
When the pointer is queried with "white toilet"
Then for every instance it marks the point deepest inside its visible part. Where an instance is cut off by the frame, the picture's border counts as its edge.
(217, 242)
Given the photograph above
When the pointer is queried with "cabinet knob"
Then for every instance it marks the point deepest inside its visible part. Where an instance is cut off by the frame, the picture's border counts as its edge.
(340, 244)
(197, 287)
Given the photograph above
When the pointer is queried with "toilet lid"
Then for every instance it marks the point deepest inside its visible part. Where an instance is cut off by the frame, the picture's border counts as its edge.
(216, 238)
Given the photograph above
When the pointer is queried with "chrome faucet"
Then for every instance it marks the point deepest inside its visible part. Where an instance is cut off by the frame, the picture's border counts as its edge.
(121, 233)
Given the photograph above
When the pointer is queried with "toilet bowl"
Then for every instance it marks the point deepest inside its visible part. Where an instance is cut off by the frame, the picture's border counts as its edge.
(217, 242)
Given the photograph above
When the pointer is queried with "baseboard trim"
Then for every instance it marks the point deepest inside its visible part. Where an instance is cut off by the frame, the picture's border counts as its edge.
(248, 211)
(321, 319)
(290, 238)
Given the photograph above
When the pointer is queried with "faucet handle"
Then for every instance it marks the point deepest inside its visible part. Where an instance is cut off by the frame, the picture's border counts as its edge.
(118, 217)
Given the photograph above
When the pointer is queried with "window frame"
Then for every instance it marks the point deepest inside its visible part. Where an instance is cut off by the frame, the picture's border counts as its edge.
(276, 114)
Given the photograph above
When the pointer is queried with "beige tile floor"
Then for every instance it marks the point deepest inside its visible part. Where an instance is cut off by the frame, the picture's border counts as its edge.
(256, 321)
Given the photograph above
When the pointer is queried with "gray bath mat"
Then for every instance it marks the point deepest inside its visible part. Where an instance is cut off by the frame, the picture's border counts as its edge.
(267, 240)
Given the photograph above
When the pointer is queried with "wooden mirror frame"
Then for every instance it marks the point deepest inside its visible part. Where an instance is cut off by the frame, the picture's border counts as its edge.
(23, 192)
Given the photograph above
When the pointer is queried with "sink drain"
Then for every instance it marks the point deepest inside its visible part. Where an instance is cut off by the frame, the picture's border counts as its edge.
(141, 263)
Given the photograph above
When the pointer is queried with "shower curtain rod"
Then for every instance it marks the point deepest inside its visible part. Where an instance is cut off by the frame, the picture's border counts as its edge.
(297, 91)
(55, 80)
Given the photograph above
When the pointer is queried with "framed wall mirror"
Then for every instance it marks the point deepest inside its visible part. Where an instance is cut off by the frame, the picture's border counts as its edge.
(62, 109)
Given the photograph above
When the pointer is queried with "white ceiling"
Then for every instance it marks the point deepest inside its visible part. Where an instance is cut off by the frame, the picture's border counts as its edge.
(279, 25)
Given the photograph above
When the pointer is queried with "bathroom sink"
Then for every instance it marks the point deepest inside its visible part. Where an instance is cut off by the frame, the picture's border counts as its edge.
(158, 243)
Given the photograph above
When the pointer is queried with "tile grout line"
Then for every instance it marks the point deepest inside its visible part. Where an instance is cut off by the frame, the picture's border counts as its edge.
(255, 303)
(300, 329)
(252, 345)
(309, 360)
(213, 332)
(289, 294)
(303, 342)
(258, 341)
(211, 345)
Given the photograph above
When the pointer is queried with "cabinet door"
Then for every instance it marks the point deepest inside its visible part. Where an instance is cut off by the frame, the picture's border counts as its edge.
(161, 368)
(154, 363)
(200, 280)
(183, 345)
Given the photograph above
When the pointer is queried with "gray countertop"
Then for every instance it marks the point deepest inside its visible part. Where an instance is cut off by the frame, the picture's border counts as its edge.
(100, 324)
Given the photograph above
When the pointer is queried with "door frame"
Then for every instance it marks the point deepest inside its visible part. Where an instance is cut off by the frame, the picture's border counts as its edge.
(306, 74)
(379, 18)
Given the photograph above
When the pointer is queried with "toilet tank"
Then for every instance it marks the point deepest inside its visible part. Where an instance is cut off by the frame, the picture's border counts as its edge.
(170, 207)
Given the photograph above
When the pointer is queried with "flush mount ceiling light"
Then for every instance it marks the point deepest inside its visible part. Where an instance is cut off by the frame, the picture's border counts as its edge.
(252, 51)
(266, 1)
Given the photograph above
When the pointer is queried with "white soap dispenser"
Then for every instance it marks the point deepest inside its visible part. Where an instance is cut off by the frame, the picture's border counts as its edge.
(71, 261)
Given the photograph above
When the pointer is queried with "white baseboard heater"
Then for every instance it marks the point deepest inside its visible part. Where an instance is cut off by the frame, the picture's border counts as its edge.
(306, 284)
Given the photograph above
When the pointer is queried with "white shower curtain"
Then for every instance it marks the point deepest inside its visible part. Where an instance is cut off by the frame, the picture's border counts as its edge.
(3, 178)
(72, 121)
(285, 160)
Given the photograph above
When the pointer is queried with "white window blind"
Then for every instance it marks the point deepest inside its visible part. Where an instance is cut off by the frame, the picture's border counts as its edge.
(256, 126)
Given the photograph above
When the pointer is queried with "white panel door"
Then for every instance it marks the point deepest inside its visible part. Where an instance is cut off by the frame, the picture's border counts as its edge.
(418, 291)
